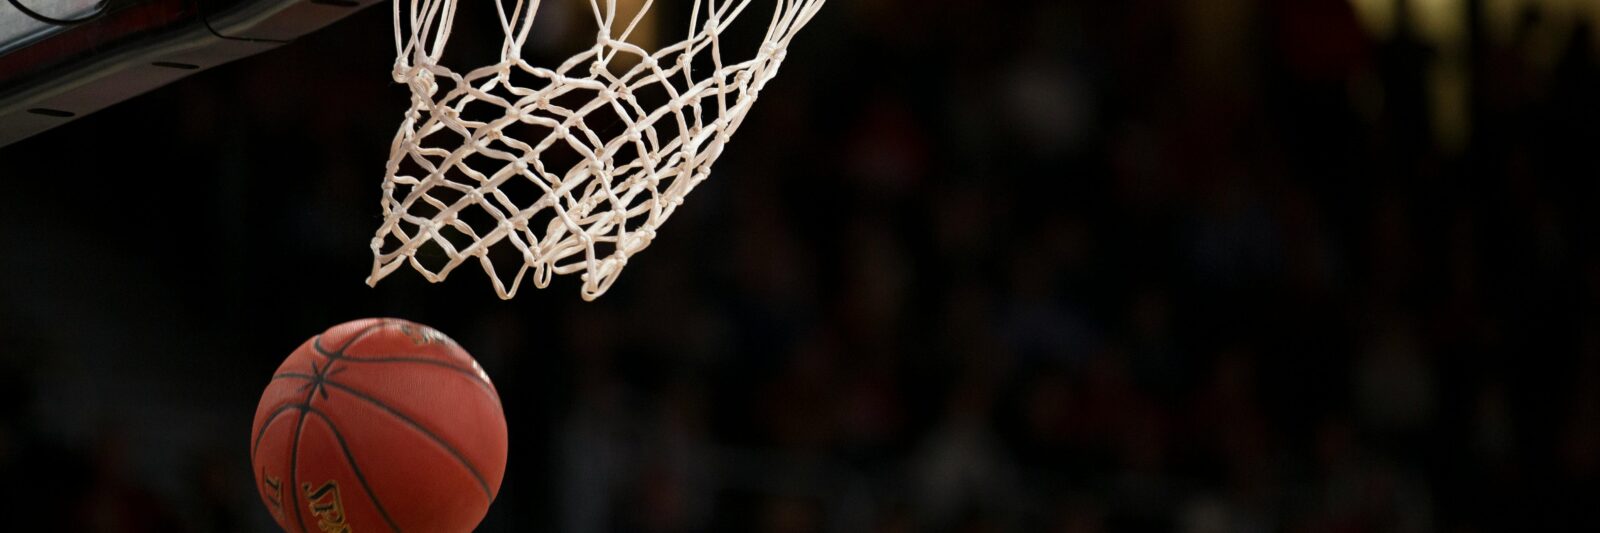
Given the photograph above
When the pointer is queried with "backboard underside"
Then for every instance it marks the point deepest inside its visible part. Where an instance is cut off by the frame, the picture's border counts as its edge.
(52, 73)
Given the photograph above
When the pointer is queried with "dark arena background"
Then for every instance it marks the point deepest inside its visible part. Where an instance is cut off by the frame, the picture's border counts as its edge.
(1034, 266)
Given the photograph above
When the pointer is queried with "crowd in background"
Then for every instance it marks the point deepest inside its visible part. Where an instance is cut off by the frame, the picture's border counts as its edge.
(1039, 266)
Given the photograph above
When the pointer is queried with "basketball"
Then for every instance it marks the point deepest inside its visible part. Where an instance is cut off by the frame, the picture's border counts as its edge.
(379, 425)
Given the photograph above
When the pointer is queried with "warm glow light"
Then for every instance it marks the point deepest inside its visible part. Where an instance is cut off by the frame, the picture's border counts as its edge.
(1441, 22)
(1377, 16)
(1500, 17)
(1435, 21)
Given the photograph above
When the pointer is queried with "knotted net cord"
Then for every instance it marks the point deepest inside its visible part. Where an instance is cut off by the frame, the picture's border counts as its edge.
(480, 162)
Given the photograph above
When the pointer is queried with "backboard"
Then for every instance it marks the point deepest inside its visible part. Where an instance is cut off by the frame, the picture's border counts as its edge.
(62, 59)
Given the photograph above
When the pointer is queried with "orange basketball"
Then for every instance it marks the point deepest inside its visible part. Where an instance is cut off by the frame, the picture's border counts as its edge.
(379, 425)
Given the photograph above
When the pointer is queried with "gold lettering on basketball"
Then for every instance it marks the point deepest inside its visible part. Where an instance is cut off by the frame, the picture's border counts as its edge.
(327, 507)
(273, 491)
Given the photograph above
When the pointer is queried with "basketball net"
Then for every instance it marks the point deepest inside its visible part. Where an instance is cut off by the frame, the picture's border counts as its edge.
(568, 170)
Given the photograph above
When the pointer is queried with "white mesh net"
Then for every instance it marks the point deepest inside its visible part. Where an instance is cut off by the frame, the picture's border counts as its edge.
(564, 170)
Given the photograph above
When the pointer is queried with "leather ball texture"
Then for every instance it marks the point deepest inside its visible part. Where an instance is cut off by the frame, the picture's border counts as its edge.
(376, 425)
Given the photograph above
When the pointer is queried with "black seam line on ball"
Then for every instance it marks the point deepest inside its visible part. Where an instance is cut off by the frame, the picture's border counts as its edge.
(351, 460)
(318, 375)
(316, 342)
(294, 454)
(294, 468)
(392, 411)
(312, 380)
(317, 379)
(268, 422)
(456, 454)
